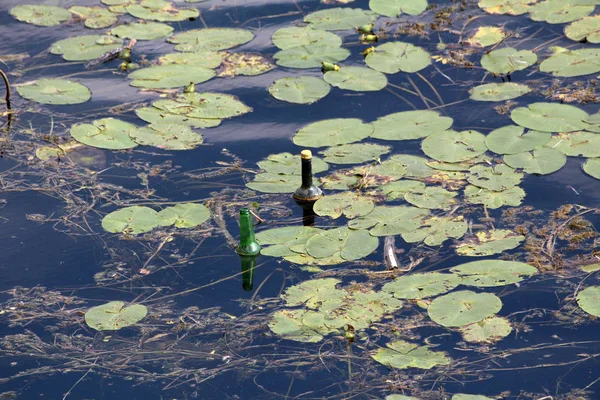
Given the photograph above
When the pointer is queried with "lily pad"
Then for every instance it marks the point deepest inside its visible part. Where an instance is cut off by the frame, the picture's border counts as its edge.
(288, 324)
(511, 139)
(114, 315)
(407, 125)
(416, 167)
(376, 174)
(310, 56)
(463, 308)
(432, 197)
(163, 11)
(393, 57)
(95, 17)
(486, 243)
(358, 79)
(397, 190)
(206, 59)
(401, 354)
(142, 30)
(589, 300)
(331, 132)
(592, 167)
(452, 146)
(352, 244)
(106, 133)
(355, 153)
(286, 38)
(275, 183)
(40, 15)
(169, 76)
(559, 12)
(462, 396)
(88, 47)
(315, 294)
(569, 63)
(498, 91)
(167, 136)
(155, 115)
(542, 161)
(512, 7)
(210, 39)
(204, 105)
(584, 144)
(131, 220)
(186, 215)
(550, 117)
(507, 60)
(286, 241)
(486, 36)
(55, 91)
(336, 19)
(497, 178)
(436, 230)
(349, 204)
(390, 221)
(299, 90)
(246, 64)
(395, 8)
(421, 285)
(509, 197)
(490, 330)
(587, 28)
(490, 273)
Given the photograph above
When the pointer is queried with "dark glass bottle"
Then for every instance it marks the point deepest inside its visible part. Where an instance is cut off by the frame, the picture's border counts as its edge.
(248, 245)
(248, 265)
(308, 192)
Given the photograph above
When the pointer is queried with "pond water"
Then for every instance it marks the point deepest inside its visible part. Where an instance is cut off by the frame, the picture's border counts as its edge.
(490, 195)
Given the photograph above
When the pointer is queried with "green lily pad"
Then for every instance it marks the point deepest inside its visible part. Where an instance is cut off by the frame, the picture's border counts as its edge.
(131, 220)
(486, 243)
(376, 174)
(407, 125)
(510, 197)
(497, 178)
(299, 90)
(390, 221)
(155, 115)
(395, 8)
(113, 316)
(352, 244)
(275, 183)
(416, 167)
(355, 153)
(436, 230)
(349, 204)
(167, 136)
(490, 273)
(331, 132)
(512, 7)
(358, 79)
(286, 38)
(169, 76)
(462, 396)
(210, 39)
(186, 215)
(204, 105)
(550, 117)
(585, 144)
(307, 260)
(463, 308)
(490, 330)
(246, 64)
(542, 161)
(286, 241)
(288, 324)
(206, 59)
(290, 164)
(393, 57)
(592, 167)
(336, 19)
(432, 197)
(315, 294)
(310, 56)
(95, 17)
(498, 91)
(589, 300)
(511, 139)
(421, 285)
(507, 60)
(452, 146)
(40, 15)
(397, 190)
(159, 10)
(142, 30)
(55, 91)
(399, 397)
(88, 47)
(486, 36)
(401, 354)
(559, 12)
(106, 133)
(587, 28)
(569, 63)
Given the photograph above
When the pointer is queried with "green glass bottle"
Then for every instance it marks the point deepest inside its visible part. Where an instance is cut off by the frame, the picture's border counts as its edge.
(308, 192)
(248, 245)
(248, 265)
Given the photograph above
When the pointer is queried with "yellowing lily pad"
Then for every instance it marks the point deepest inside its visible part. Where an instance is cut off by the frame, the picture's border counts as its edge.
(486, 36)
(486, 243)
(512, 7)
(55, 91)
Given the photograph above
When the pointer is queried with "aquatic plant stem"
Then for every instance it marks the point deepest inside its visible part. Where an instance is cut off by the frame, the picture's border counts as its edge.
(7, 97)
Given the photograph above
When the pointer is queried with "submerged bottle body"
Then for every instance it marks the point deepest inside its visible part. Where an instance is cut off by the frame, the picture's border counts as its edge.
(248, 245)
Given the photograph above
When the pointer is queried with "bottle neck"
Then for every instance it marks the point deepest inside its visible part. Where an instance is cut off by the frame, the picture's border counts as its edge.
(307, 176)
(246, 230)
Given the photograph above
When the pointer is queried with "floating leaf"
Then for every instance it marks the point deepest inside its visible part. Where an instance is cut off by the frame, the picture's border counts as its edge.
(589, 300)
(336, 19)
(352, 244)
(354, 153)
(397, 190)
(155, 115)
(507, 60)
(331, 132)
(389, 170)
(401, 354)
(358, 79)
(186, 215)
(416, 167)
(40, 15)
(559, 12)
(290, 164)
(421, 286)
(310, 56)
(204, 105)
(349, 204)
(106, 133)
(299, 90)
(399, 397)
(542, 161)
(407, 125)
(452, 146)
(247, 64)
(431, 197)
(113, 316)
(569, 63)
(95, 17)
(490, 330)
(509, 197)
(286, 241)
(511, 139)
(463, 308)
(512, 7)
(81, 48)
(275, 183)
(206, 59)
(550, 117)
(498, 91)
(159, 10)
(142, 30)
(462, 396)
(592, 167)
(210, 39)
(486, 243)
(131, 220)
(169, 76)
(585, 144)
(587, 28)
(55, 91)
(497, 178)
(436, 230)
(288, 324)
(390, 221)
(167, 136)
(489, 273)
(590, 267)
(486, 36)
(307, 260)
(286, 38)
(393, 57)
(394, 8)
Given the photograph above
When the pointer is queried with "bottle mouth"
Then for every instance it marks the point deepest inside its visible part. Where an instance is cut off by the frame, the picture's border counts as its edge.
(244, 211)
(306, 154)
